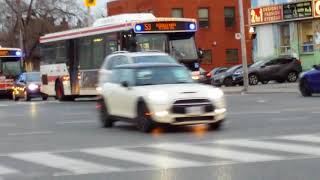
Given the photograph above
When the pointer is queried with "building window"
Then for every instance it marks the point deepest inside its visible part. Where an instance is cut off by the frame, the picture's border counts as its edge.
(306, 36)
(232, 55)
(229, 16)
(285, 39)
(203, 14)
(207, 57)
(177, 12)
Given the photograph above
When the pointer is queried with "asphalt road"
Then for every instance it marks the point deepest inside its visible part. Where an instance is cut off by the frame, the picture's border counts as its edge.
(266, 136)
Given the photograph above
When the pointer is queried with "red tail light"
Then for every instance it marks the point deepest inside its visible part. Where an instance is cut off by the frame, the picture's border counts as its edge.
(208, 74)
(299, 61)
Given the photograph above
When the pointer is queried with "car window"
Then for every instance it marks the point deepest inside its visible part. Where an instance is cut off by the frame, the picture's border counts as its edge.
(153, 59)
(33, 77)
(116, 61)
(284, 61)
(126, 75)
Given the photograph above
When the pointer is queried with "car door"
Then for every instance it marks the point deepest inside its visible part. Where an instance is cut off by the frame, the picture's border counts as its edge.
(314, 80)
(123, 98)
(267, 71)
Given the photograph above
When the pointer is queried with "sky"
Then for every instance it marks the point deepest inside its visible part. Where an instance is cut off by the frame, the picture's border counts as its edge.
(99, 9)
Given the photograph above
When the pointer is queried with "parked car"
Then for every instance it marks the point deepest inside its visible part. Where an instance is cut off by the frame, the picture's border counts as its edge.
(279, 69)
(28, 86)
(204, 76)
(124, 57)
(309, 82)
(225, 78)
(151, 94)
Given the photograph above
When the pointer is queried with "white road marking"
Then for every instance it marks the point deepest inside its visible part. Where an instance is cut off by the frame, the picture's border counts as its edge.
(285, 147)
(289, 119)
(255, 112)
(76, 166)
(302, 138)
(30, 133)
(6, 170)
(76, 122)
(3, 105)
(7, 125)
(234, 155)
(157, 160)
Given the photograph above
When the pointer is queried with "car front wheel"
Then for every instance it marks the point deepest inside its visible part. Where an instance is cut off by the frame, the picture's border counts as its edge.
(253, 79)
(216, 125)
(304, 88)
(228, 82)
(144, 120)
(105, 118)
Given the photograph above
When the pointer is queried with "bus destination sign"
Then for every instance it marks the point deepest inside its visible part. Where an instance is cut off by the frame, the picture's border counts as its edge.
(4, 53)
(164, 26)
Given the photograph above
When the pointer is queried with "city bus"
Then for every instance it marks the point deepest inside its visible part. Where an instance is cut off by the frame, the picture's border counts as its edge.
(71, 59)
(11, 66)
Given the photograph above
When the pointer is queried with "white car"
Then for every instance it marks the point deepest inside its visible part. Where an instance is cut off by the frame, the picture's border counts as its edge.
(125, 57)
(153, 94)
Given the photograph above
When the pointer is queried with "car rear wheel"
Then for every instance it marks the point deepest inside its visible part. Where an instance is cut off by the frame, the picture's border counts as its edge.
(44, 98)
(105, 118)
(292, 77)
(253, 79)
(265, 82)
(228, 82)
(144, 120)
(304, 88)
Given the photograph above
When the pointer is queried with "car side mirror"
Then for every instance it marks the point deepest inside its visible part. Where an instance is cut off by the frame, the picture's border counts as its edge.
(125, 84)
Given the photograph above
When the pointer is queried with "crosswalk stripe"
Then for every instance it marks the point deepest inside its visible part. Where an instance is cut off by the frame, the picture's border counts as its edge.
(6, 170)
(303, 138)
(218, 152)
(284, 147)
(156, 160)
(75, 166)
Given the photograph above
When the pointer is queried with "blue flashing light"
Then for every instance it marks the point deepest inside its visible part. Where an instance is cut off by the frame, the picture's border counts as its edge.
(192, 26)
(138, 27)
(18, 53)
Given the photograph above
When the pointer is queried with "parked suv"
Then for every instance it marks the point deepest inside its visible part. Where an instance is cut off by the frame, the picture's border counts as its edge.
(280, 69)
(124, 57)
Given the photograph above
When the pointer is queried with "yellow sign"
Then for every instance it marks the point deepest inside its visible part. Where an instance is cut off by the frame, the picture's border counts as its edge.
(90, 3)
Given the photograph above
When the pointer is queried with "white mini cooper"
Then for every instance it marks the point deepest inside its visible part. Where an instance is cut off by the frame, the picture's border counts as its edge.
(154, 94)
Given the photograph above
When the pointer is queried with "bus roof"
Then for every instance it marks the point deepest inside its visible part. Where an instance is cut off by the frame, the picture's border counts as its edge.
(109, 24)
(10, 52)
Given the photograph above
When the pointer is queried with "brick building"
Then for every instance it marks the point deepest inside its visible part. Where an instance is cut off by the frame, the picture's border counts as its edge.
(218, 22)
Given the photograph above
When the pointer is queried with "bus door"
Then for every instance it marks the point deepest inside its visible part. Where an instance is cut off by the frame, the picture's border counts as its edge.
(73, 68)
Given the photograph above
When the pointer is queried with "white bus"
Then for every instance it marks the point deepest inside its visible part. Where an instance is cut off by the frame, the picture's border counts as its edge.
(10, 67)
(71, 59)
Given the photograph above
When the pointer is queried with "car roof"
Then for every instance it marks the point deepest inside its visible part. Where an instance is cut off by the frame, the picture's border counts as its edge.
(137, 54)
(147, 65)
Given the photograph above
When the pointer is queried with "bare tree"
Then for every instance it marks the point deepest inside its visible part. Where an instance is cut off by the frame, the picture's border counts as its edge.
(38, 17)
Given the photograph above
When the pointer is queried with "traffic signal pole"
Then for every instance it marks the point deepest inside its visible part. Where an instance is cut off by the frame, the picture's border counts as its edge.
(243, 49)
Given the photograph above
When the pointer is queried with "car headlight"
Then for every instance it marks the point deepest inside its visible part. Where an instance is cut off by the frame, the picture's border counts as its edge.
(238, 72)
(216, 94)
(158, 96)
(33, 87)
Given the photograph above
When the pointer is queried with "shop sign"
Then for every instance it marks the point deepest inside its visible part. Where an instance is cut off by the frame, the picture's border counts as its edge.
(316, 6)
(295, 11)
(264, 15)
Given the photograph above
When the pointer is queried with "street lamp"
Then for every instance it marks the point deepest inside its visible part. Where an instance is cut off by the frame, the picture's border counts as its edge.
(243, 49)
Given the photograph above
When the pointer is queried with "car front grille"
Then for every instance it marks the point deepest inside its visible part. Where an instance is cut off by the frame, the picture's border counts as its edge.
(194, 118)
(180, 106)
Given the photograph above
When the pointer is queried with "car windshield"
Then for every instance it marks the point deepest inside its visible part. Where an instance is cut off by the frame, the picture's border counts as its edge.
(33, 77)
(162, 75)
(11, 68)
(183, 49)
(232, 69)
(154, 59)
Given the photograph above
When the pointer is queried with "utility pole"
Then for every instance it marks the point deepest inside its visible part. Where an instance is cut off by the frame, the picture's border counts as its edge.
(243, 48)
(19, 16)
(89, 16)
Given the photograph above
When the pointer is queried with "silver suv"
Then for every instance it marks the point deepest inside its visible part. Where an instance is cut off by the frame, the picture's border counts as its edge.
(124, 57)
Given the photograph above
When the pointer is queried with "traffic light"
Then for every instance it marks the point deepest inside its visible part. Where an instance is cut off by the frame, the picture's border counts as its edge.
(90, 3)
(252, 33)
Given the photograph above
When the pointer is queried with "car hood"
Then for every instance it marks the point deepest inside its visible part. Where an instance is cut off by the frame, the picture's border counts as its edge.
(179, 91)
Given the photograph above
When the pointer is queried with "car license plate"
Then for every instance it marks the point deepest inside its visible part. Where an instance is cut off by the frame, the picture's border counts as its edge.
(194, 110)
(234, 78)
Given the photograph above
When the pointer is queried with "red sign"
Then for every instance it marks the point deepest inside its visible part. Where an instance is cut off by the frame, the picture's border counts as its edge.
(316, 6)
(264, 15)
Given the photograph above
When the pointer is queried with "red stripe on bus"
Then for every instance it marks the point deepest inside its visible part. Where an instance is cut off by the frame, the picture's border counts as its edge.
(87, 31)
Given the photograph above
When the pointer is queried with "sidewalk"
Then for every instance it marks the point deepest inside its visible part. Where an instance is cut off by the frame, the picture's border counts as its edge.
(265, 88)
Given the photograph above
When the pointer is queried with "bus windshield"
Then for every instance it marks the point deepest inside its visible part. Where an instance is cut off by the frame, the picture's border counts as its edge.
(147, 42)
(183, 49)
(10, 67)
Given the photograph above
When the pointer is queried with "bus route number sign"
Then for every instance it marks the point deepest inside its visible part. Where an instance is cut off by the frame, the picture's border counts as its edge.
(165, 26)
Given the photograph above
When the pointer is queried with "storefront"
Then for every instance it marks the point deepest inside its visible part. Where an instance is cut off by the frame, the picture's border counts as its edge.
(288, 29)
